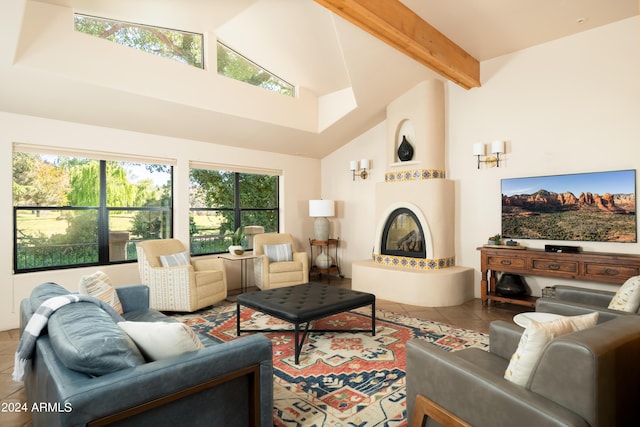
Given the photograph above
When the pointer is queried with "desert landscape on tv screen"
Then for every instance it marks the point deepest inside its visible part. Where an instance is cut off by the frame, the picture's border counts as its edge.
(595, 207)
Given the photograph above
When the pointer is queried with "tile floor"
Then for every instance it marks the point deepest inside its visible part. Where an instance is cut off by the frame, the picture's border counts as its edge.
(470, 315)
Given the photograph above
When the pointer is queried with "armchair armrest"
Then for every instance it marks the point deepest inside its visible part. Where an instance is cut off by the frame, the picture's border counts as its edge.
(598, 298)
(133, 297)
(303, 258)
(568, 308)
(475, 391)
(504, 338)
(207, 264)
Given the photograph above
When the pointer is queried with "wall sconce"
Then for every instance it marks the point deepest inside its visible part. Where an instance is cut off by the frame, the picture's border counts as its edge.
(362, 171)
(497, 148)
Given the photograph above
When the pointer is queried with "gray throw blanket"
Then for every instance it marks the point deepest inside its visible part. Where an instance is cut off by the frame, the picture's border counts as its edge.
(39, 320)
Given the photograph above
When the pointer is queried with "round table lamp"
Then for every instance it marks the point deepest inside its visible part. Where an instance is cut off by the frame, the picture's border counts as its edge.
(321, 209)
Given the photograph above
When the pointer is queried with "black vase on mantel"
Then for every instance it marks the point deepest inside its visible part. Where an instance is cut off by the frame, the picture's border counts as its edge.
(511, 285)
(405, 150)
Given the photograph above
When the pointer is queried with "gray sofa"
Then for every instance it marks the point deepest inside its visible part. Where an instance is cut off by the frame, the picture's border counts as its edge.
(111, 383)
(585, 378)
(573, 301)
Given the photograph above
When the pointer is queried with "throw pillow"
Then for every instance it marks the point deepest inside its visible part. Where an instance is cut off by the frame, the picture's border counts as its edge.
(161, 340)
(628, 296)
(174, 260)
(535, 338)
(278, 253)
(99, 285)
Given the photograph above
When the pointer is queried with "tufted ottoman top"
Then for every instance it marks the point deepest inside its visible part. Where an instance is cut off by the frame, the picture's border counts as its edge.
(306, 302)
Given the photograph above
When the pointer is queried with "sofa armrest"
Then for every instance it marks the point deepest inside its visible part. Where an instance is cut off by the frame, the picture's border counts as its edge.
(479, 396)
(595, 297)
(103, 396)
(133, 297)
(567, 308)
(504, 338)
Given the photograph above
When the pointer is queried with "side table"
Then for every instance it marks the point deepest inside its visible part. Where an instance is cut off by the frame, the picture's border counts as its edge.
(324, 258)
(243, 266)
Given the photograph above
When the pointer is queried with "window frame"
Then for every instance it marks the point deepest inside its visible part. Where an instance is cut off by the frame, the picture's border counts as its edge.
(236, 209)
(146, 27)
(103, 215)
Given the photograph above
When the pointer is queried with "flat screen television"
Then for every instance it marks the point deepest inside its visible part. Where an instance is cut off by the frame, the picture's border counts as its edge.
(587, 207)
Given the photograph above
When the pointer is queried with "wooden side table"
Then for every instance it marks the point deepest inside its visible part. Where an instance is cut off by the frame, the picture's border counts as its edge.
(324, 258)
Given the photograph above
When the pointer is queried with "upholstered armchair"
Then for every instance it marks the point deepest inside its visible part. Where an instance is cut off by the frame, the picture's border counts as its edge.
(573, 301)
(278, 262)
(176, 282)
(584, 378)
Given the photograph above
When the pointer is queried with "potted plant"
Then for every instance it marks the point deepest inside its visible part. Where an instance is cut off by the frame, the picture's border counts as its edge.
(494, 240)
(236, 242)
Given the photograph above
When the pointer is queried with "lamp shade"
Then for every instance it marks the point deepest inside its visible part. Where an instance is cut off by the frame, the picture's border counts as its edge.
(478, 149)
(497, 147)
(321, 208)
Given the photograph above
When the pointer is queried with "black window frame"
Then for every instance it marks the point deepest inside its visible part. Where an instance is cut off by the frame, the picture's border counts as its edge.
(103, 224)
(236, 209)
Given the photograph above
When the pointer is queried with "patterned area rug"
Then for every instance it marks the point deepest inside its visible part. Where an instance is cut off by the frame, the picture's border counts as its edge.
(343, 379)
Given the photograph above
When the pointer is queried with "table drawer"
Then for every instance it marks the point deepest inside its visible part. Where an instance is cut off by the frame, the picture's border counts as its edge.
(611, 272)
(500, 262)
(554, 266)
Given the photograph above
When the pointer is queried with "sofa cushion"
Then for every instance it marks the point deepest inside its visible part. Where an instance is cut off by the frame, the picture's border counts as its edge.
(161, 340)
(628, 296)
(43, 292)
(534, 340)
(86, 339)
(99, 285)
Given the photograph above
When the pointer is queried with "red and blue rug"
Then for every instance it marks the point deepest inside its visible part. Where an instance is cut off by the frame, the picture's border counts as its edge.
(343, 379)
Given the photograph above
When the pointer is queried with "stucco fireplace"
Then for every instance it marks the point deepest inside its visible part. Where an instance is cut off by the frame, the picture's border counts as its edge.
(413, 260)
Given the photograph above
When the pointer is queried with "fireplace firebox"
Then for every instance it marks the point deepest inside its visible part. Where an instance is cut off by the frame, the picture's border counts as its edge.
(402, 235)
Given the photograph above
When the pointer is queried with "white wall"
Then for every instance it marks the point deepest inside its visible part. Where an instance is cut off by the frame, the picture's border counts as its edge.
(568, 106)
(299, 182)
(572, 105)
(355, 208)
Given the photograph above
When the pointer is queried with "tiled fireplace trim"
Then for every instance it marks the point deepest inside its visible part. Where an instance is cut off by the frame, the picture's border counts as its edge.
(414, 263)
(414, 175)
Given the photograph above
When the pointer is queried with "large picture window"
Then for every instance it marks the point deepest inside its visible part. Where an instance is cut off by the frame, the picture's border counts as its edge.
(73, 211)
(223, 201)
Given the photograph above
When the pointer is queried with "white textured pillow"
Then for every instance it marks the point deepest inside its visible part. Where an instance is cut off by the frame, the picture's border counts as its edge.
(536, 337)
(174, 260)
(99, 285)
(628, 296)
(161, 340)
(278, 253)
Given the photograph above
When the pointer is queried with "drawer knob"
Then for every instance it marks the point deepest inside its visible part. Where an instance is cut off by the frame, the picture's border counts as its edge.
(505, 262)
(611, 272)
(553, 266)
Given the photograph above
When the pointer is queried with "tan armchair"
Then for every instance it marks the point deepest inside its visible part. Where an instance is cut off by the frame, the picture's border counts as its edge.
(190, 287)
(270, 274)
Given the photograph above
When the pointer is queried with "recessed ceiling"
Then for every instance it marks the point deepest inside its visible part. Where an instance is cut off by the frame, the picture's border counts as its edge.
(298, 40)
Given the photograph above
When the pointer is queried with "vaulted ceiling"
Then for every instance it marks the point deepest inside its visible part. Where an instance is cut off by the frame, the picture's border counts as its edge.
(346, 76)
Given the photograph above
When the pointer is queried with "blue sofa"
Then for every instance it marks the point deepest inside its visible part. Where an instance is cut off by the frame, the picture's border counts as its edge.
(111, 383)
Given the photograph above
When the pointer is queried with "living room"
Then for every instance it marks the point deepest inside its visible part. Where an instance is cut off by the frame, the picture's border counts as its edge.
(568, 105)
(565, 106)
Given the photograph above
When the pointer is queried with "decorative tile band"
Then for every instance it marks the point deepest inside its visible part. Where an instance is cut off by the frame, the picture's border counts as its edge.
(414, 175)
(414, 263)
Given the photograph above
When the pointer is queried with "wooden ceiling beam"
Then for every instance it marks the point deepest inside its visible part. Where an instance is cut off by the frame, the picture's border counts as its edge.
(397, 25)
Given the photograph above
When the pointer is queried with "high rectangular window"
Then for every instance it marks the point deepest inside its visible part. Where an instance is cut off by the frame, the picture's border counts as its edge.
(73, 211)
(181, 46)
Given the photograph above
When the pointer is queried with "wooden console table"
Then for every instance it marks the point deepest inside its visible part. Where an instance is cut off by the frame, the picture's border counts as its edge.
(586, 266)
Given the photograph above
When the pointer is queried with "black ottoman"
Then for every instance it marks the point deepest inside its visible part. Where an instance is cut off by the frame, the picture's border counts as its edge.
(304, 303)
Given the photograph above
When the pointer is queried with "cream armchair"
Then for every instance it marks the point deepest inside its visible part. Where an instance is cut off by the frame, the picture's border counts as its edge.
(183, 285)
(278, 263)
